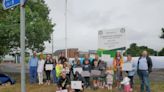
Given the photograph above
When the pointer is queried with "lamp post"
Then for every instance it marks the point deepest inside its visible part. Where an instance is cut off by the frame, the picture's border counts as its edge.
(22, 41)
(66, 28)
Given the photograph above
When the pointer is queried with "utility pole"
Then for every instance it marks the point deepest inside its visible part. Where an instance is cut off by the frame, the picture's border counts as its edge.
(66, 28)
(22, 41)
(52, 41)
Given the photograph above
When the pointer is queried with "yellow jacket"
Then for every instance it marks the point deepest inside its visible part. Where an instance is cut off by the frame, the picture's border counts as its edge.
(120, 63)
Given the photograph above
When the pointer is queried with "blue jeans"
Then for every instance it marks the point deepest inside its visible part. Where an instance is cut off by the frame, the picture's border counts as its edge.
(33, 74)
(144, 78)
(55, 79)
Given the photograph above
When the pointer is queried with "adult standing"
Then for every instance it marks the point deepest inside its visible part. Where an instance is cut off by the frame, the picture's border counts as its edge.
(33, 63)
(40, 68)
(62, 58)
(48, 66)
(86, 58)
(117, 65)
(54, 71)
(144, 67)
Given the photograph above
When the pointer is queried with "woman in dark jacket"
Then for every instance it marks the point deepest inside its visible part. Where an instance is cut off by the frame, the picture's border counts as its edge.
(48, 62)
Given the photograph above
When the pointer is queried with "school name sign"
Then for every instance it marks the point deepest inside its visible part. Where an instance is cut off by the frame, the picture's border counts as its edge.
(112, 39)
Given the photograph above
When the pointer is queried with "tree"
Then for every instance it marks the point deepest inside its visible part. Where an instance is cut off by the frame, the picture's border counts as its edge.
(38, 26)
(162, 35)
(135, 50)
(161, 53)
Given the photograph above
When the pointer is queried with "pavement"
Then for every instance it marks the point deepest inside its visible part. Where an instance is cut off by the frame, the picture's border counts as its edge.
(12, 68)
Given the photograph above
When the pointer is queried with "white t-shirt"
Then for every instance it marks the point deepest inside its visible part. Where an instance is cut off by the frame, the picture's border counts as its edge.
(40, 65)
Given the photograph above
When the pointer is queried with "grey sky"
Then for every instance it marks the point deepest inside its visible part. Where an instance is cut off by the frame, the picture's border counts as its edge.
(142, 20)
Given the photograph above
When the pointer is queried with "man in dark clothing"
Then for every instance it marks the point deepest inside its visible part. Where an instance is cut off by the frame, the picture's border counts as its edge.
(144, 67)
(62, 58)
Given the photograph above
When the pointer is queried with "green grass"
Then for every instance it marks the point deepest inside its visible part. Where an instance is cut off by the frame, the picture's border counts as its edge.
(155, 86)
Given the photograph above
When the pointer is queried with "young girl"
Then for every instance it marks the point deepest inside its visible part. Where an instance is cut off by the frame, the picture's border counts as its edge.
(58, 68)
(95, 78)
(78, 77)
(102, 78)
(87, 67)
(131, 73)
(64, 82)
(66, 69)
(109, 77)
(40, 69)
(48, 71)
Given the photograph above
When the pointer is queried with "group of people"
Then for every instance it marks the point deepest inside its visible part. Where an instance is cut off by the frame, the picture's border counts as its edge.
(110, 76)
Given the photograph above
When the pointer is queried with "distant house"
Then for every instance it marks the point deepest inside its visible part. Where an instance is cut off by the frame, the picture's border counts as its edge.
(82, 53)
(92, 51)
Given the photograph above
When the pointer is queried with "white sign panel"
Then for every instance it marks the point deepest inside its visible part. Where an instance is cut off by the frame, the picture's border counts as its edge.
(65, 90)
(95, 73)
(111, 39)
(76, 84)
(105, 57)
(49, 66)
(127, 67)
(85, 73)
(78, 70)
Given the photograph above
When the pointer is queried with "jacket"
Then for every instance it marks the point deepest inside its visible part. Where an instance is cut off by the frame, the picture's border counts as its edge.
(115, 64)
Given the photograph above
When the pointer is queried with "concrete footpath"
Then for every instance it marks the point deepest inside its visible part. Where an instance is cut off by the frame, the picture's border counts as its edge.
(12, 68)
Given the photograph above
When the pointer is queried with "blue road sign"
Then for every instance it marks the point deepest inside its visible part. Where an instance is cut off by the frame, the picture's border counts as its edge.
(10, 3)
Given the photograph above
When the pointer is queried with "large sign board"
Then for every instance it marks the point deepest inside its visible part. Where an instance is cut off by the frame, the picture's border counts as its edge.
(112, 39)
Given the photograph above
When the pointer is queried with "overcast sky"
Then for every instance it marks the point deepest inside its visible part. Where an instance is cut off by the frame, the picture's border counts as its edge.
(142, 19)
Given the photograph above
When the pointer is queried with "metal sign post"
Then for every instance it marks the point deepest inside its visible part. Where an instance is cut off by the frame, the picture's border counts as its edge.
(9, 4)
(22, 41)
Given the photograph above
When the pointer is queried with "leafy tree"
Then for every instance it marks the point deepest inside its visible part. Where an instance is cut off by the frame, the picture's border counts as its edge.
(38, 26)
(161, 53)
(135, 50)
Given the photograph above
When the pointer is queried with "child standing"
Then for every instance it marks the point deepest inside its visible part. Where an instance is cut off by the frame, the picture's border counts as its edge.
(87, 67)
(131, 73)
(109, 77)
(40, 69)
(95, 78)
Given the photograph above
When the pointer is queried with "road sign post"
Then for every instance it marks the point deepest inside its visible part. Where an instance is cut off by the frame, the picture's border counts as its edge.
(10, 3)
